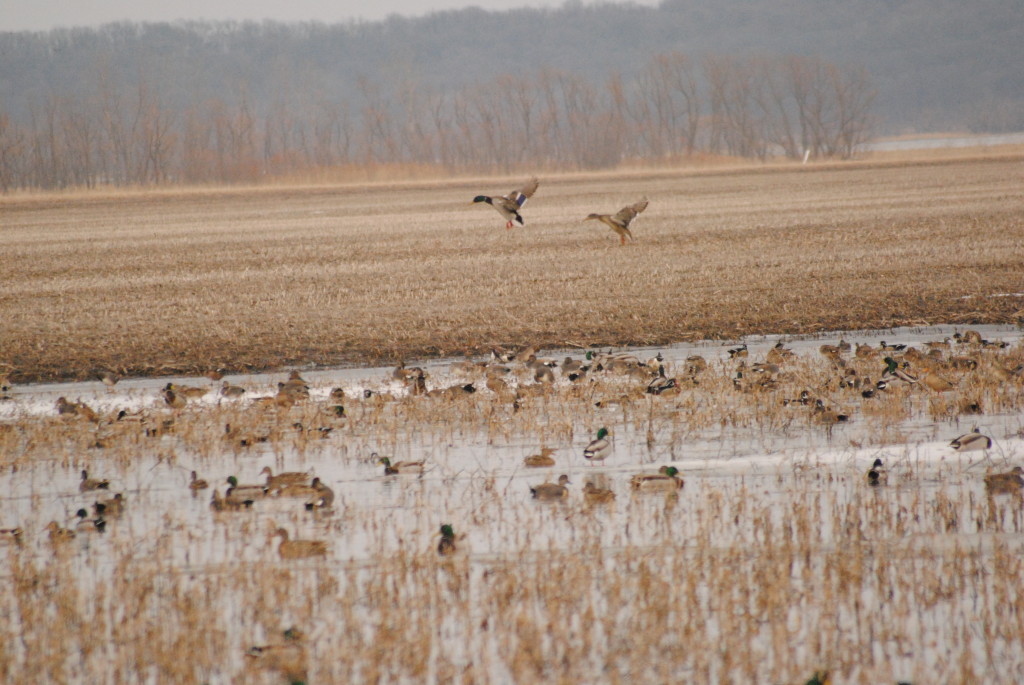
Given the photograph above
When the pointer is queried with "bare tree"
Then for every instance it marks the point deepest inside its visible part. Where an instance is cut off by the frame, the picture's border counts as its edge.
(12, 150)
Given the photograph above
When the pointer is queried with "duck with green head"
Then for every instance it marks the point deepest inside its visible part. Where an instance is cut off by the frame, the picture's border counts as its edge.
(242, 493)
(446, 545)
(599, 448)
(893, 370)
(509, 205)
(399, 466)
(667, 479)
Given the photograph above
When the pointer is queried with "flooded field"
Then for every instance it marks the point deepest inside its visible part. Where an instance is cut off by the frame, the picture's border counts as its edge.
(774, 559)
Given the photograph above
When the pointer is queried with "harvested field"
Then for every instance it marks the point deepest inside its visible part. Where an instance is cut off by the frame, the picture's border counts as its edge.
(161, 282)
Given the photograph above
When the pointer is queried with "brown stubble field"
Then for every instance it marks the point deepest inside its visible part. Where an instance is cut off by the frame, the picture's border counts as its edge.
(161, 282)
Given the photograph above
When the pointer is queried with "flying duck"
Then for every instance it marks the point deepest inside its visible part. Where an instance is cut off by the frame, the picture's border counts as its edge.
(509, 205)
(619, 222)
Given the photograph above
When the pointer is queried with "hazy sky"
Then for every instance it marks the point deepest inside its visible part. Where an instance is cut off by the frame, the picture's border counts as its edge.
(35, 15)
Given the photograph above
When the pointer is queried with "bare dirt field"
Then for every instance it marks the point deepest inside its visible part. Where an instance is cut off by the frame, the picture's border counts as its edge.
(161, 282)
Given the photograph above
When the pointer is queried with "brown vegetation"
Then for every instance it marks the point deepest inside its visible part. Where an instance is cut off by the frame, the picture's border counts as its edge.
(150, 283)
(758, 575)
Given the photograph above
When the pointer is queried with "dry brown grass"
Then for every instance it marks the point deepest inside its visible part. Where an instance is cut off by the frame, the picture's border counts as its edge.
(158, 282)
(761, 577)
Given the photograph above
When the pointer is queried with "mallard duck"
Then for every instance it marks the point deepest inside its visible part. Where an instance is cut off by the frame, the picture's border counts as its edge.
(228, 390)
(1011, 483)
(739, 352)
(969, 337)
(187, 391)
(243, 493)
(595, 495)
(88, 483)
(323, 497)
(599, 448)
(543, 374)
(11, 535)
(289, 657)
(667, 478)
(877, 474)
(695, 364)
(234, 503)
(661, 384)
(540, 460)
(452, 392)
(291, 391)
(893, 370)
(58, 534)
(287, 478)
(299, 549)
(551, 490)
(1000, 373)
(65, 408)
(399, 466)
(407, 375)
(974, 440)
(963, 363)
(570, 365)
(826, 415)
(619, 222)
(509, 205)
(937, 383)
(308, 490)
(81, 409)
(88, 525)
(196, 483)
(804, 399)
(498, 387)
(110, 507)
(830, 352)
(446, 545)
(865, 352)
(778, 354)
(173, 399)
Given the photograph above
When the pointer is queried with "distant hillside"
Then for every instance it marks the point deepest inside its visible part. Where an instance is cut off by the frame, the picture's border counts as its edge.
(936, 64)
(576, 87)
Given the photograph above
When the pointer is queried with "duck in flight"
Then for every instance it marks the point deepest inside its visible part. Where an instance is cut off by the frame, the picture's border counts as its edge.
(619, 222)
(509, 205)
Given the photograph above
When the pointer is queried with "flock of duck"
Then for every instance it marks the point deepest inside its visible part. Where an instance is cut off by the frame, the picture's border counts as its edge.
(896, 364)
(897, 360)
(509, 205)
(304, 486)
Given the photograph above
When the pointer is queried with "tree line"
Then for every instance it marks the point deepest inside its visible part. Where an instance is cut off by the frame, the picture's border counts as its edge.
(121, 134)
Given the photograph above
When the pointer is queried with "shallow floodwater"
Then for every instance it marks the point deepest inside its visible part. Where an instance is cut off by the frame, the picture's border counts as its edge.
(461, 465)
(475, 479)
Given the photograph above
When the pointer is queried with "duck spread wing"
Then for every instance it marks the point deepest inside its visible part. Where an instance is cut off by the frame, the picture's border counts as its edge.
(521, 195)
(627, 214)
